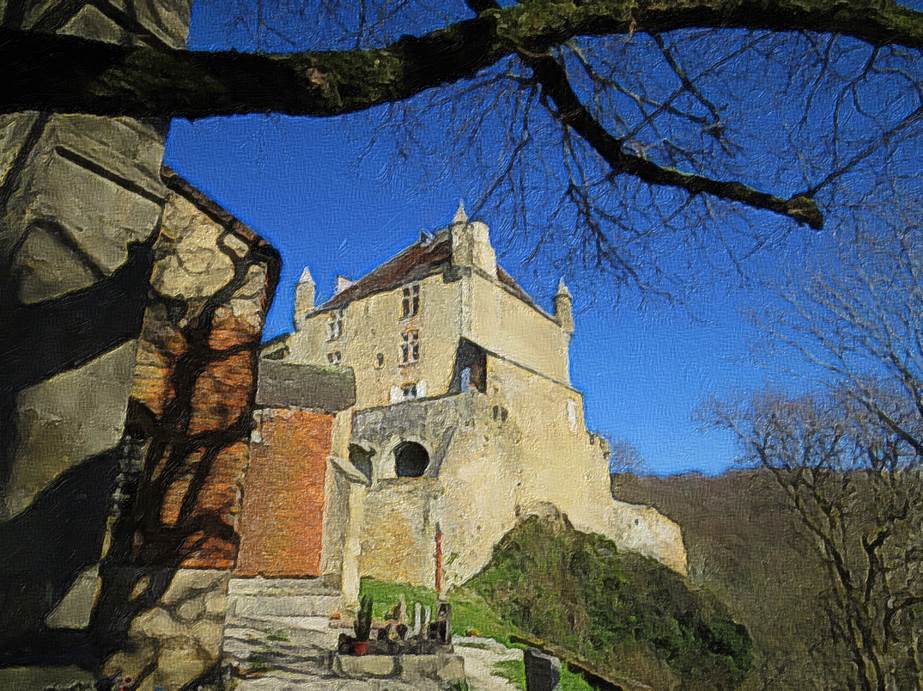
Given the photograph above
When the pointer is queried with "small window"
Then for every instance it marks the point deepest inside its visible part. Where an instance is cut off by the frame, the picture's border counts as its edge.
(410, 347)
(409, 391)
(335, 325)
(380, 360)
(466, 379)
(334, 358)
(571, 409)
(410, 300)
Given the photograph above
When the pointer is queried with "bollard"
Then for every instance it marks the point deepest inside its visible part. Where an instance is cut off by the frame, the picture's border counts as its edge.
(543, 672)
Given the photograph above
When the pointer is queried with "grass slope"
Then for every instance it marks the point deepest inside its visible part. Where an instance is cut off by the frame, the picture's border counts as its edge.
(627, 614)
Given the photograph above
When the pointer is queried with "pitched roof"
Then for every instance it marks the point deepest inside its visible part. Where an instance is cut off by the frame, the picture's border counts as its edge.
(421, 259)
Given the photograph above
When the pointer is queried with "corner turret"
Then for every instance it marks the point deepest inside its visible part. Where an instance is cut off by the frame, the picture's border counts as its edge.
(564, 307)
(304, 298)
(471, 243)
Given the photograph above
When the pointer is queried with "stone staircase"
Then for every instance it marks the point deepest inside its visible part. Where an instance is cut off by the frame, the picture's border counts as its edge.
(250, 598)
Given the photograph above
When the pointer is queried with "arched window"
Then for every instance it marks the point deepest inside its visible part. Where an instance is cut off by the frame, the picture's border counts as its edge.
(410, 459)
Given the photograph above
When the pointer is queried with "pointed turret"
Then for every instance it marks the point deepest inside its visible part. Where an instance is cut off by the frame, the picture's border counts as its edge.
(304, 297)
(471, 243)
(564, 307)
(460, 215)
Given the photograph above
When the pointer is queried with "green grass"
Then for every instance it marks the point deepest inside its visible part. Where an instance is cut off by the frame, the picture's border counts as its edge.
(470, 613)
(627, 616)
(469, 610)
(514, 671)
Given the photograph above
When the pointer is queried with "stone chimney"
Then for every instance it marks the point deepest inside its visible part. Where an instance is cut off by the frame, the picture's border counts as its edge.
(304, 298)
(342, 284)
(471, 243)
(564, 307)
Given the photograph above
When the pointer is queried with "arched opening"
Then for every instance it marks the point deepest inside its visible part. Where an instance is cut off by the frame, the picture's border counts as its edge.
(410, 459)
(361, 460)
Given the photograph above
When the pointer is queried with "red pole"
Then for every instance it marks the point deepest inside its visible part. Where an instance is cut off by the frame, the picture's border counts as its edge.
(438, 561)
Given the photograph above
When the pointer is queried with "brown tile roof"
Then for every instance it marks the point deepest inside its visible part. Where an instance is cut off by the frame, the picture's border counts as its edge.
(419, 260)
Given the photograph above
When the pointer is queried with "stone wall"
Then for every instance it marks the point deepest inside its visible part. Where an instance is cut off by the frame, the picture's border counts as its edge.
(80, 204)
(195, 380)
(300, 498)
(174, 529)
(494, 457)
(373, 326)
(178, 638)
(399, 532)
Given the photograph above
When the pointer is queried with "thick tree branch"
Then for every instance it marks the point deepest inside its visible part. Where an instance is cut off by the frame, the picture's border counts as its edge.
(62, 74)
(65, 74)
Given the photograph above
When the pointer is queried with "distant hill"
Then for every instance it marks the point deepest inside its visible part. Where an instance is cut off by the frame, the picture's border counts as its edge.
(748, 551)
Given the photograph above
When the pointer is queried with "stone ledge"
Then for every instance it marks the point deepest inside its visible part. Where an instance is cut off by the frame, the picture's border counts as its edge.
(444, 668)
(284, 384)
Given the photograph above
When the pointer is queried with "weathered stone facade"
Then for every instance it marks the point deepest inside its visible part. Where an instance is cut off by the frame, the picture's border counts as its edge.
(195, 380)
(465, 419)
(81, 200)
(133, 308)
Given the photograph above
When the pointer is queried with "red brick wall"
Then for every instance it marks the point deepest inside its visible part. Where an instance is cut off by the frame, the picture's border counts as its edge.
(283, 507)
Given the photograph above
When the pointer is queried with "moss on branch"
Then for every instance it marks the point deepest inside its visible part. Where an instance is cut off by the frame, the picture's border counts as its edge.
(66, 74)
(55, 73)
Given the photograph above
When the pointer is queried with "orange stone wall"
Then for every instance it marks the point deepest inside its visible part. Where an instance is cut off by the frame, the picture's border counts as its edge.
(195, 380)
(283, 507)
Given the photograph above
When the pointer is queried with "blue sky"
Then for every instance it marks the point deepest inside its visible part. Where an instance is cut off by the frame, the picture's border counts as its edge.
(300, 184)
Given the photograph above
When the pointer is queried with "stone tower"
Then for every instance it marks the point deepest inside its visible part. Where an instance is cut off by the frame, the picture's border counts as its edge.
(471, 244)
(564, 307)
(304, 297)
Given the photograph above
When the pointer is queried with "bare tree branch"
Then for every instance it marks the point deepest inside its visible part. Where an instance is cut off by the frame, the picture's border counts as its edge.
(67, 74)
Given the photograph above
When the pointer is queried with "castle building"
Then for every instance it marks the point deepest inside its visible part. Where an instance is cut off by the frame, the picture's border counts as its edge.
(465, 418)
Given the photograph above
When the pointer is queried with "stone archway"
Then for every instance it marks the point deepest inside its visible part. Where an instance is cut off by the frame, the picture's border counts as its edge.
(410, 459)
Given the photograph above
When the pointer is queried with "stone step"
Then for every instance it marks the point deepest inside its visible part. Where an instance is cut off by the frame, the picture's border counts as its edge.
(281, 586)
(284, 605)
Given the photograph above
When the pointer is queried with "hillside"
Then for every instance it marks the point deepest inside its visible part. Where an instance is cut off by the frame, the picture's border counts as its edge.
(628, 615)
(751, 554)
